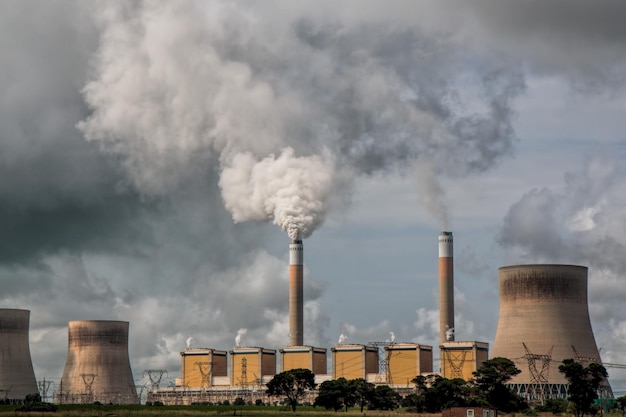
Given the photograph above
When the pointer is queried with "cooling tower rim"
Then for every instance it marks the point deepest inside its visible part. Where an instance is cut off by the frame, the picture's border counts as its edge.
(14, 309)
(98, 321)
(529, 266)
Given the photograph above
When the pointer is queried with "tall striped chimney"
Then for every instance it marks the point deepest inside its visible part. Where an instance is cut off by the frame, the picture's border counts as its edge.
(446, 288)
(295, 293)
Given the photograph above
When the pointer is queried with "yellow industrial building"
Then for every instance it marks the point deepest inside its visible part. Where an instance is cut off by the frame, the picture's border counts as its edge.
(461, 359)
(307, 357)
(354, 361)
(407, 360)
(249, 365)
(202, 368)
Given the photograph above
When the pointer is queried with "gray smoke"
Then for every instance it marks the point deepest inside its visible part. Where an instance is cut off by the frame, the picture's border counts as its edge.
(178, 87)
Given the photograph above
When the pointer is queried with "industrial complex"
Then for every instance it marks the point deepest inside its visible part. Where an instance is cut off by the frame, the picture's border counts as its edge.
(543, 319)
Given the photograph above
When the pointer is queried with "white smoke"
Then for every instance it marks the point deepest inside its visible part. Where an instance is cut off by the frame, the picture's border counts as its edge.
(180, 88)
(431, 193)
(342, 339)
(392, 337)
(188, 342)
(240, 334)
(288, 189)
(449, 333)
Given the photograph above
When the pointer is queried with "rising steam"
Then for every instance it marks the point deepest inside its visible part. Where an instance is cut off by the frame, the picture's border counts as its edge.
(182, 88)
(288, 189)
(240, 334)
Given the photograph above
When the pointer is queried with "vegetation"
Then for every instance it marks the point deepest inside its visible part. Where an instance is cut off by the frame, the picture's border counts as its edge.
(620, 405)
(490, 382)
(434, 393)
(384, 398)
(556, 406)
(33, 403)
(335, 394)
(292, 385)
(583, 384)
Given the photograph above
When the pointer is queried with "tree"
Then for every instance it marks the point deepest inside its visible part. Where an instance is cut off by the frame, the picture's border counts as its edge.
(620, 404)
(361, 391)
(383, 398)
(291, 384)
(335, 394)
(490, 382)
(436, 393)
(556, 406)
(583, 384)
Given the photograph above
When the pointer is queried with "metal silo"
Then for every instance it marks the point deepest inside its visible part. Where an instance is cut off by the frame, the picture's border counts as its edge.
(544, 319)
(97, 366)
(17, 378)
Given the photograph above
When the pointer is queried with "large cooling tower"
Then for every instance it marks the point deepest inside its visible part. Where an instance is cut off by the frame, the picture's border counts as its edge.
(446, 288)
(295, 293)
(17, 378)
(97, 366)
(543, 320)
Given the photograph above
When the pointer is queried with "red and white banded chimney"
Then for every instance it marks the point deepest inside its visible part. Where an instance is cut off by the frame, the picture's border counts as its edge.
(446, 288)
(296, 307)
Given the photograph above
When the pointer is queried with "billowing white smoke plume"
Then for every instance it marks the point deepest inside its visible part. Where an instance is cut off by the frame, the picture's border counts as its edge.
(342, 338)
(240, 333)
(288, 189)
(188, 342)
(179, 88)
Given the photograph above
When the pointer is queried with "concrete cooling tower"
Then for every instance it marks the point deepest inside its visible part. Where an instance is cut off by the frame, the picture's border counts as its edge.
(97, 366)
(17, 378)
(543, 320)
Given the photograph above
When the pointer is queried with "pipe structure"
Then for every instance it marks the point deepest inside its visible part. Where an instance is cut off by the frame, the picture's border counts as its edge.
(97, 367)
(17, 377)
(446, 288)
(296, 304)
(544, 319)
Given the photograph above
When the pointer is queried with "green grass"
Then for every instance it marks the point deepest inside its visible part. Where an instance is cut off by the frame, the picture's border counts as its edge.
(91, 410)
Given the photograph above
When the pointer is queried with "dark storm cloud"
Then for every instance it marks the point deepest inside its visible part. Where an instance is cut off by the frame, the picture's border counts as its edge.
(582, 40)
(57, 192)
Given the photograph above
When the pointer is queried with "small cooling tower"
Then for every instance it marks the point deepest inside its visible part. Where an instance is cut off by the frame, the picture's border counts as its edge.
(544, 319)
(17, 378)
(97, 366)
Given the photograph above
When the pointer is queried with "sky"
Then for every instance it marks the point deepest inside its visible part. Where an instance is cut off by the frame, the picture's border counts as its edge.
(156, 159)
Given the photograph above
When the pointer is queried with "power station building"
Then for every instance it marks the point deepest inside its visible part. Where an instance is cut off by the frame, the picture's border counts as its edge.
(460, 359)
(204, 368)
(251, 366)
(307, 357)
(97, 367)
(17, 377)
(405, 361)
(543, 320)
(351, 361)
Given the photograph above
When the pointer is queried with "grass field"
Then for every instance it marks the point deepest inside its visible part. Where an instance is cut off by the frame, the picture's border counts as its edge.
(90, 410)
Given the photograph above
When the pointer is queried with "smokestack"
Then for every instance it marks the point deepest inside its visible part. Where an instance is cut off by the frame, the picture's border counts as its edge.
(446, 288)
(295, 293)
